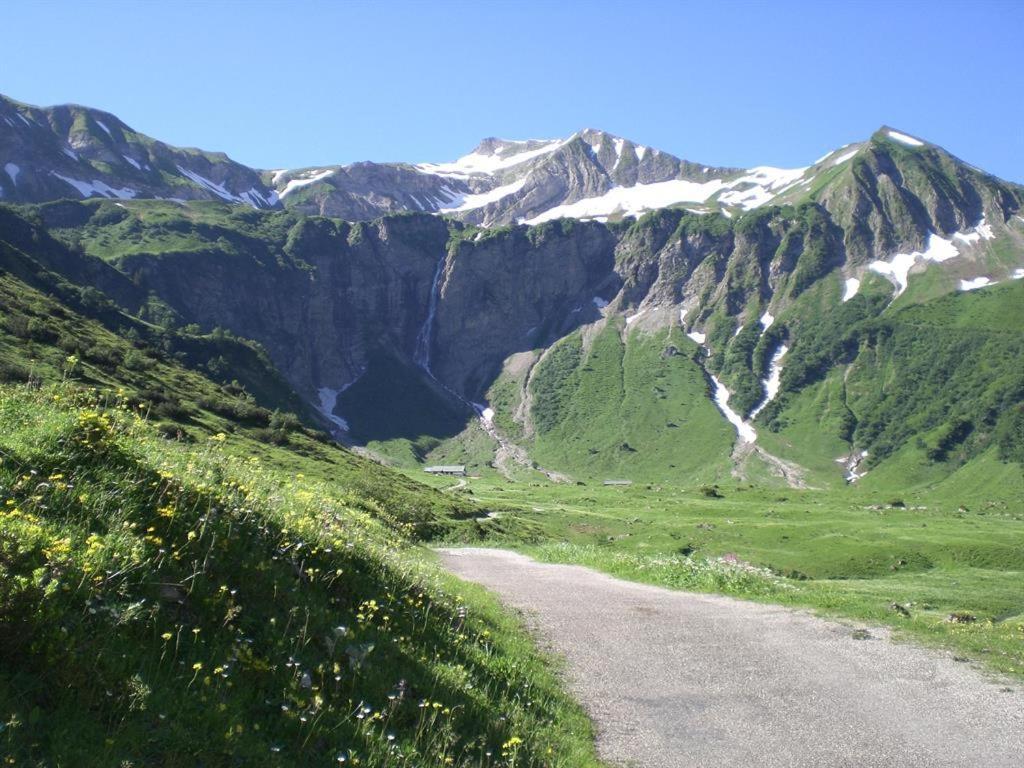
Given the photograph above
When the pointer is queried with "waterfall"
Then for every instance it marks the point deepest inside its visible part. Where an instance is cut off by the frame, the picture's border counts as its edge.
(425, 337)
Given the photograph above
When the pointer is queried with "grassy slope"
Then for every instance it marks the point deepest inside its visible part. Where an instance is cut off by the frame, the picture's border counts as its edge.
(162, 601)
(629, 409)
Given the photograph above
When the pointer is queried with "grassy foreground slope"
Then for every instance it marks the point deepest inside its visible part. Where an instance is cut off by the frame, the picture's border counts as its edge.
(191, 576)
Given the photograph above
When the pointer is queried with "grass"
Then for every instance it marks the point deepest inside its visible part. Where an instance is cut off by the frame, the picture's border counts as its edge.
(636, 406)
(165, 603)
(941, 550)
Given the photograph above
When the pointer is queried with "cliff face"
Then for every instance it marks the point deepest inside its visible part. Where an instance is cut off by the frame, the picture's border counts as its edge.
(336, 292)
(516, 290)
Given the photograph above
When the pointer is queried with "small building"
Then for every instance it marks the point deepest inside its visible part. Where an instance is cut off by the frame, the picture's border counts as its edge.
(617, 482)
(459, 470)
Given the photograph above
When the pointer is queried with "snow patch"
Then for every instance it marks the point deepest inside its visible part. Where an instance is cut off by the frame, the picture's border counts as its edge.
(202, 181)
(70, 153)
(97, 187)
(845, 156)
(897, 269)
(850, 288)
(766, 321)
(630, 319)
(967, 237)
(1018, 274)
(746, 433)
(12, 171)
(132, 161)
(904, 139)
(697, 336)
(103, 125)
(311, 177)
(632, 201)
(640, 152)
(771, 384)
(599, 302)
(328, 401)
(469, 202)
(478, 163)
(759, 186)
(975, 282)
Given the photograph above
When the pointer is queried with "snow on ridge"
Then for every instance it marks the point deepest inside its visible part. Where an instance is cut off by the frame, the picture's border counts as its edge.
(276, 177)
(293, 184)
(460, 202)
(478, 163)
(845, 156)
(910, 141)
(761, 184)
(212, 186)
(850, 288)
(632, 201)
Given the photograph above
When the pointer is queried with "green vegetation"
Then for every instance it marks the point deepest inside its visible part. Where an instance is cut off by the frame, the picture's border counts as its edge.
(166, 603)
(634, 407)
(903, 554)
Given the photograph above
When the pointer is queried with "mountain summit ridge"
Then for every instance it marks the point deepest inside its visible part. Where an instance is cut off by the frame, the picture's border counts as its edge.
(76, 151)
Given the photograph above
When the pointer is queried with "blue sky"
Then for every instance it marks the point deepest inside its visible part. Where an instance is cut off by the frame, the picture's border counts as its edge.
(291, 84)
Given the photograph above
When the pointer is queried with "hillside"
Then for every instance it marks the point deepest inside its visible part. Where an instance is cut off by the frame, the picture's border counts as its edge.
(189, 577)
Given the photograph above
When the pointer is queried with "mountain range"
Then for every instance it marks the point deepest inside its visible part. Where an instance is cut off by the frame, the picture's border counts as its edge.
(583, 307)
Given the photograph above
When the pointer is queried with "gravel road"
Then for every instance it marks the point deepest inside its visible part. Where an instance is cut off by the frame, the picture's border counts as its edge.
(681, 679)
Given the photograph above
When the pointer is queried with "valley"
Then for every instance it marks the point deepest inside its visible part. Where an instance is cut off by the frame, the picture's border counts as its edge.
(220, 386)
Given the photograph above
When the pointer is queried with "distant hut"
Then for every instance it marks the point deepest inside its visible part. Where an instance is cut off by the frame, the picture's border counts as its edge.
(458, 470)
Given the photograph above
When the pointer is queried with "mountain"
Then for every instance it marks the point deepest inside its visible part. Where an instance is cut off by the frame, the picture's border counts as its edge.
(71, 152)
(812, 326)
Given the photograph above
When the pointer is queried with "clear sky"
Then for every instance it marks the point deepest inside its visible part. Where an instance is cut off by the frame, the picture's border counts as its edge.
(291, 84)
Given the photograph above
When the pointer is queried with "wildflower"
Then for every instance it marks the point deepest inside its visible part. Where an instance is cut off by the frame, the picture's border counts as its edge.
(197, 666)
(166, 636)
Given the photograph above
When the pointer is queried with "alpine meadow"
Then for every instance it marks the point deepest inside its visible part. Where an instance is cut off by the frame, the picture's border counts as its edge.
(267, 437)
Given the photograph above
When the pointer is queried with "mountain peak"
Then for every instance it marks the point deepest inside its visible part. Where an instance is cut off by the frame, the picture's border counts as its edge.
(888, 133)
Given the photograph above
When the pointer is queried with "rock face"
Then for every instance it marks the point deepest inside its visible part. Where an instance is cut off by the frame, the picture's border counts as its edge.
(339, 292)
(897, 193)
(517, 291)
